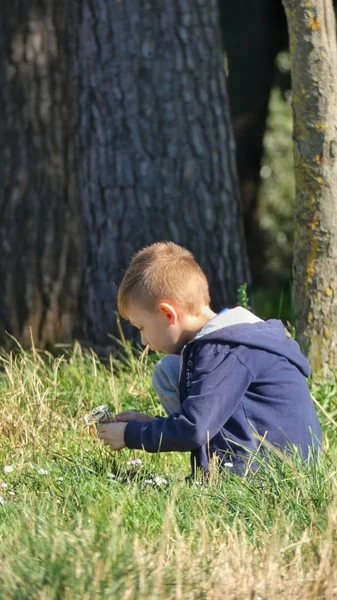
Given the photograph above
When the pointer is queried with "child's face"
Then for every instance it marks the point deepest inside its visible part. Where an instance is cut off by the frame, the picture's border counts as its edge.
(161, 330)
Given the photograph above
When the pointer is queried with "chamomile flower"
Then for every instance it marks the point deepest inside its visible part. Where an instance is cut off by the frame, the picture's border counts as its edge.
(8, 469)
(134, 461)
(160, 481)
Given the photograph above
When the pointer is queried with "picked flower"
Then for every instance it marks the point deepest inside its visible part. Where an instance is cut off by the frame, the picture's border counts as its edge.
(98, 415)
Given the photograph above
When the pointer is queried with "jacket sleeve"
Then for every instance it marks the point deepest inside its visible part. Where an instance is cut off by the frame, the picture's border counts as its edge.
(217, 382)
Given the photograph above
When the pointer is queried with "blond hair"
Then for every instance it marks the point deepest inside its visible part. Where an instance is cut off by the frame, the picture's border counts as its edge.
(164, 271)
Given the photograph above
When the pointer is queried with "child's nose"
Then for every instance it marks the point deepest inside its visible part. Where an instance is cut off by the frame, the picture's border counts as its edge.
(143, 339)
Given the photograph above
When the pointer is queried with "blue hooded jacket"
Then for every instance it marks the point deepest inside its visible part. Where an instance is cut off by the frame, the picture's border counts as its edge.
(242, 379)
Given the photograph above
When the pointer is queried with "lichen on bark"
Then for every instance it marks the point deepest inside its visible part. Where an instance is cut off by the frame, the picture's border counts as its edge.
(314, 80)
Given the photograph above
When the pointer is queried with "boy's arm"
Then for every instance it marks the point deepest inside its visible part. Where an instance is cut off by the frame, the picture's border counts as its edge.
(132, 415)
(217, 384)
(111, 432)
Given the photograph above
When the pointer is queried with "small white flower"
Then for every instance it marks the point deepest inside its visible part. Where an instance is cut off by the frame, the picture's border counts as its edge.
(112, 475)
(160, 480)
(43, 472)
(98, 415)
(3, 485)
(230, 465)
(134, 461)
(88, 420)
(2, 500)
(8, 469)
(60, 479)
(265, 172)
(148, 481)
(11, 493)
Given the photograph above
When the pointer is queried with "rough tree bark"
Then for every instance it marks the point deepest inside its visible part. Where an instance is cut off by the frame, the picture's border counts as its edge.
(155, 147)
(314, 79)
(40, 235)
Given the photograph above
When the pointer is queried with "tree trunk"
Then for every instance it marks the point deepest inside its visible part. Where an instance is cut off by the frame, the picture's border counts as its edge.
(314, 76)
(155, 147)
(40, 235)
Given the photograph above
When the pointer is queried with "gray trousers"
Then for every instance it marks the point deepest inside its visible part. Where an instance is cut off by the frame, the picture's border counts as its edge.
(165, 381)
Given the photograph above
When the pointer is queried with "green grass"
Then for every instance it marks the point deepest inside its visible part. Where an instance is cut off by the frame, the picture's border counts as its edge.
(77, 521)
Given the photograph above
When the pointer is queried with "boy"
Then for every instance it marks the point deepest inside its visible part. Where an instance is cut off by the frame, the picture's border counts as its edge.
(228, 380)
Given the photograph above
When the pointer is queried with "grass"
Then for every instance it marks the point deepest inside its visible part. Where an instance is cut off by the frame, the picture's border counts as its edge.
(77, 521)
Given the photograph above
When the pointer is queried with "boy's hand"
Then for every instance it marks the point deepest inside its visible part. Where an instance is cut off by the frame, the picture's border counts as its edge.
(112, 434)
(133, 415)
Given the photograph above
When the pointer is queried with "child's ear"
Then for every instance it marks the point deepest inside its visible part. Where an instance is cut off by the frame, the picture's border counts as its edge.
(169, 312)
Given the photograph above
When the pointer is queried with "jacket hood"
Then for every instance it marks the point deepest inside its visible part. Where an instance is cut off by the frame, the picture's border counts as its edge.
(240, 326)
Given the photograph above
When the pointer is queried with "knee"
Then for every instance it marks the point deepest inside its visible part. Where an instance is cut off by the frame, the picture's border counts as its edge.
(166, 373)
